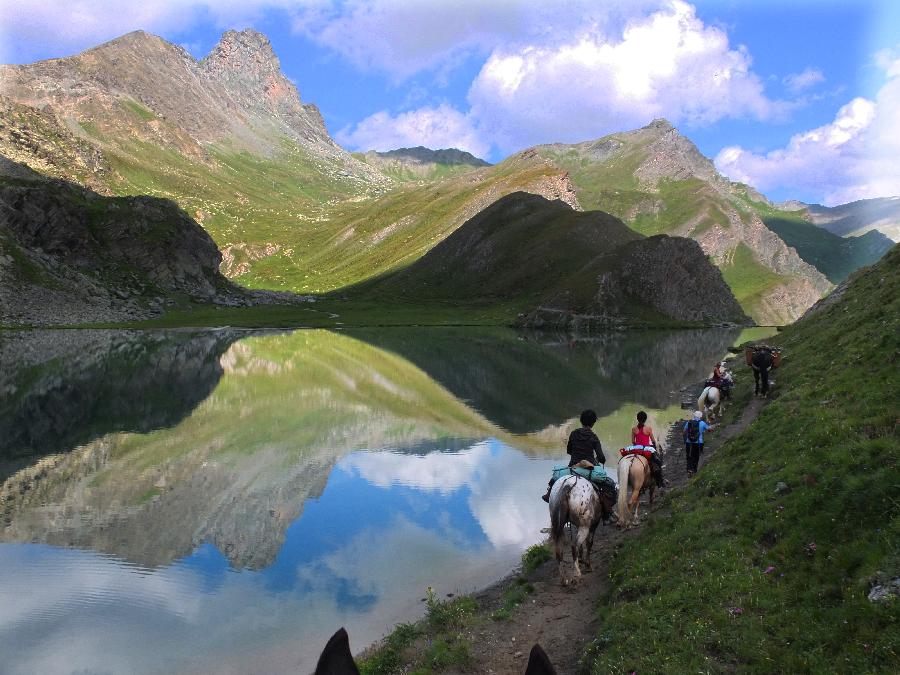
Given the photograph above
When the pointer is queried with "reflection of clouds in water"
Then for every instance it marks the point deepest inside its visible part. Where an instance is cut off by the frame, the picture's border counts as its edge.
(85, 611)
(504, 486)
(444, 472)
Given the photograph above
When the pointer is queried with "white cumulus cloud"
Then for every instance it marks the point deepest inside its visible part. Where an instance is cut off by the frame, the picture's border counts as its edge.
(404, 37)
(853, 157)
(434, 127)
(668, 64)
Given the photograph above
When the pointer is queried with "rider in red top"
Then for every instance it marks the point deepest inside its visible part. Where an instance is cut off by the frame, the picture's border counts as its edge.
(642, 434)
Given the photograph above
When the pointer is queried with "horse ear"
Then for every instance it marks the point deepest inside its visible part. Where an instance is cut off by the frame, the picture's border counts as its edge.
(336, 658)
(539, 662)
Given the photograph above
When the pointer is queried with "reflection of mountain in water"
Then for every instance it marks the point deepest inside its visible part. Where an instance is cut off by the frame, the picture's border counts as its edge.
(64, 388)
(238, 470)
(524, 385)
(281, 410)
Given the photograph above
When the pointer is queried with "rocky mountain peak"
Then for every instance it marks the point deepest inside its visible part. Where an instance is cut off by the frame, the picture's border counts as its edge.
(245, 62)
(661, 125)
(672, 156)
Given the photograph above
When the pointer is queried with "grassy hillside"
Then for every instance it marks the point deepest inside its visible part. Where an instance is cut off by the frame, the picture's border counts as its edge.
(836, 257)
(736, 575)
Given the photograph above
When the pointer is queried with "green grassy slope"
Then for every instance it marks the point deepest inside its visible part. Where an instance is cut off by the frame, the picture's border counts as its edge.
(736, 576)
(297, 221)
(836, 257)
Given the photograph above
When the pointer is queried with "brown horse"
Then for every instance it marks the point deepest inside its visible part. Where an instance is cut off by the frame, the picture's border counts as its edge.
(634, 473)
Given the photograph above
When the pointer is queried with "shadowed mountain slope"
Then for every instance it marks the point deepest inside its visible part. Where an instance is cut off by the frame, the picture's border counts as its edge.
(546, 257)
(70, 255)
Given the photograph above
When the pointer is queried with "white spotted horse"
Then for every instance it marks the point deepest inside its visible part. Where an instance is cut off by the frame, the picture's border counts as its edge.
(336, 658)
(575, 500)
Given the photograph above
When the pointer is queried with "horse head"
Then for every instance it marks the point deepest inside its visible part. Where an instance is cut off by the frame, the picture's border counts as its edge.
(336, 658)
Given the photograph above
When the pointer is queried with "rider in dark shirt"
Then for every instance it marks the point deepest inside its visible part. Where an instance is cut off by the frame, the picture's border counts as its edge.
(583, 444)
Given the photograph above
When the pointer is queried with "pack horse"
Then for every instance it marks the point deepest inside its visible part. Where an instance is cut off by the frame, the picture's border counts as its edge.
(762, 359)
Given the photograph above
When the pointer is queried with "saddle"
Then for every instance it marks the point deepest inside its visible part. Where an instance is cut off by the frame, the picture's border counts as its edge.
(645, 451)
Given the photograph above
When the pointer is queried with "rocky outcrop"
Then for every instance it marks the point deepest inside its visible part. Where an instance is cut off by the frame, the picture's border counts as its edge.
(69, 255)
(671, 275)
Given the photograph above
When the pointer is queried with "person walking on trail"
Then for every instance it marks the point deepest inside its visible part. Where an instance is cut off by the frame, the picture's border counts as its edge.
(642, 434)
(693, 441)
(583, 445)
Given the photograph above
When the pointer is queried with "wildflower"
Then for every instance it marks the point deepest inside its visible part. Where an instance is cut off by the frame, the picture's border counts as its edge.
(769, 569)
(736, 611)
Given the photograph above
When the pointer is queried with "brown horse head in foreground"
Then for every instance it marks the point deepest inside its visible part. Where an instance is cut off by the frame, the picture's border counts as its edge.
(336, 658)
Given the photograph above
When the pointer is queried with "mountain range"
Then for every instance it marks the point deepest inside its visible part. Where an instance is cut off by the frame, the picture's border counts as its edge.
(229, 139)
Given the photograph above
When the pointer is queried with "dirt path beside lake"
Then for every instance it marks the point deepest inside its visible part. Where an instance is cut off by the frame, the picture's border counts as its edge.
(563, 619)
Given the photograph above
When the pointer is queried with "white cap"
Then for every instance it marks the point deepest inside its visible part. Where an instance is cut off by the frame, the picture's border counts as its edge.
(698, 415)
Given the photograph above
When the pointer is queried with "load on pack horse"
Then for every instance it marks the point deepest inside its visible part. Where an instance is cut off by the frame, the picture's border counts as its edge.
(762, 359)
(582, 497)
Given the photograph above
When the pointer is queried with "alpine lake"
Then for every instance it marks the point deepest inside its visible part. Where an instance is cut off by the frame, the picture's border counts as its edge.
(223, 500)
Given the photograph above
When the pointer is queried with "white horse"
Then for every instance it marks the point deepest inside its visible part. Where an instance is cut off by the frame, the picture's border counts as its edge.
(710, 402)
(574, 500)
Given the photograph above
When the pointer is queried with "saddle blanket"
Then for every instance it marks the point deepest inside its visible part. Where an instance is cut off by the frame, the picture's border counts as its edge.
(646, 451)
(596, 475)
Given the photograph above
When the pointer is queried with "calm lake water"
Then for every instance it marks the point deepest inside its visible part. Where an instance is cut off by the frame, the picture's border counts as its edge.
(222, 501)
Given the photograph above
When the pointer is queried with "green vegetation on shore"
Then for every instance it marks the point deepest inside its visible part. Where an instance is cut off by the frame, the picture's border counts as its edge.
(744, 573)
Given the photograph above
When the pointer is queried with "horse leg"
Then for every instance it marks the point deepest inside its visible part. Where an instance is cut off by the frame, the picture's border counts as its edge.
(558, 549)
(755, 382)
(765, 382)
(634, 502)
(581, 547)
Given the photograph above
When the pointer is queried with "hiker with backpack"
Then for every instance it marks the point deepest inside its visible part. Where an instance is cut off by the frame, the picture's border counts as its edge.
(693, 441)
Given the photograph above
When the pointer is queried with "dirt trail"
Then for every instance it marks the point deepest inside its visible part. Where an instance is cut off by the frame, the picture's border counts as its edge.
(563, 619)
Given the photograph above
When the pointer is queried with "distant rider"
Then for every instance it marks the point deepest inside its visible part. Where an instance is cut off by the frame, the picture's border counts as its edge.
(642, 434)
(720, 379)
(583, 445)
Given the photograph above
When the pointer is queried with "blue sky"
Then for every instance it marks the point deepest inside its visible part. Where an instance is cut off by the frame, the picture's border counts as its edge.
(800, 99)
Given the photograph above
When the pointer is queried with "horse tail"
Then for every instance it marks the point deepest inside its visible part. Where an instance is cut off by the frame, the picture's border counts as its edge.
(624, 468)
(559, 514)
